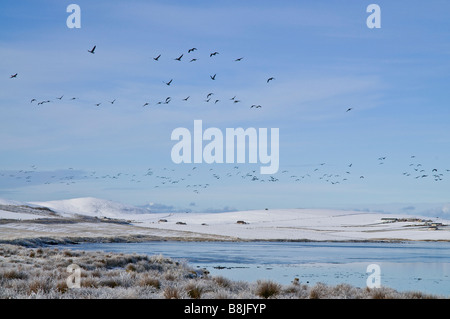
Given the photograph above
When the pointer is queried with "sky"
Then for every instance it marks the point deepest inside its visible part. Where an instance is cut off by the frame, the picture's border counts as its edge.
(362, 112)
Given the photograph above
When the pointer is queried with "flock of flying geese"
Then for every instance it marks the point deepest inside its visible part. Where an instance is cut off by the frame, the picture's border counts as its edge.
(169, 177)
(200, 178)
(167, 100)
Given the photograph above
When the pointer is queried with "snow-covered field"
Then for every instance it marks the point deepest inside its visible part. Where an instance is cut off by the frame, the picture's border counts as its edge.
(91, 217)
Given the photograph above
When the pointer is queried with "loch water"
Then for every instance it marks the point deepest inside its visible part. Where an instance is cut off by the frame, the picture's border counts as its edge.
(405, 266)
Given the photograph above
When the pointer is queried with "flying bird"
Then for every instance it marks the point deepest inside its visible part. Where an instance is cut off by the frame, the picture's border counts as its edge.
(179, 58)
(98, 104)
(213, 77)
(349, 109)
(145, 104)
(270, 79)
(157, 58)
(193, 60)
(192, 50)
(238, 59)
(32, 100)
(185, 99)
(92, 50)
(13, 76)
(214, 53)
(168, 83)
(112, 102)
(60, 98)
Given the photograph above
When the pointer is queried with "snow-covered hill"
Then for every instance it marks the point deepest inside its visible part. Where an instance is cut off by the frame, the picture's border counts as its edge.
(93, 207)
(273, 224)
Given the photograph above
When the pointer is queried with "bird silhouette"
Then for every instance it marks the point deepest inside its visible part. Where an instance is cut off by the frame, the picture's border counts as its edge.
(192, 50)
(168, 83)
(238, 59)
(270, 79)
(349, 109)
(13, 76)
(214, 53)
(60, 98)
(157, 58)
(179, 58)
(193, 60)
(112, 102)
(213, 77)
(185, 99)
(92, 50)
(32, 100)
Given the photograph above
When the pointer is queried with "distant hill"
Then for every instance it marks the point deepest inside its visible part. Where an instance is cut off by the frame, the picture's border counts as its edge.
(91, 206)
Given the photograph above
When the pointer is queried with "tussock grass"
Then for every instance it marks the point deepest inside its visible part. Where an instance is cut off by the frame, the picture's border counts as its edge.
(42, 273)
(266, 289)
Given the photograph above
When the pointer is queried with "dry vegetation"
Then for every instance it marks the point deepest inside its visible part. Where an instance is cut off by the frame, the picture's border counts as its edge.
(42, 273)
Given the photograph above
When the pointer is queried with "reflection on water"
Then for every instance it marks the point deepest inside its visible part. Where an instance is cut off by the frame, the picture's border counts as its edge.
(419, 266)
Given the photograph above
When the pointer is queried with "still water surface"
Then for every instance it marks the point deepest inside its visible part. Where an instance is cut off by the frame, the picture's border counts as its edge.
(417, 266)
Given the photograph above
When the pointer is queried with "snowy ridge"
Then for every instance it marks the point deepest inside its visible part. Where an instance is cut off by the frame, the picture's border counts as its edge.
(270, 224)
(93, 207)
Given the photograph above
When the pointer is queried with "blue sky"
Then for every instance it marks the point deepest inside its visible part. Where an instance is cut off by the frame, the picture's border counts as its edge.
(324, 60)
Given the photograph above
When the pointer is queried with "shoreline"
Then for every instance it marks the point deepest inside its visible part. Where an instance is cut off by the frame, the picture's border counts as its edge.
(35, 242)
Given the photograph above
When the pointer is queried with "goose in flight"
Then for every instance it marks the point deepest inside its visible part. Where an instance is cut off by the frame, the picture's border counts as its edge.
(145, 104)
(193, 60)
(185, 99)
(33, 100)
(92, 50)
(213, 77)
(349, 109)
(209, 94)
(168, 83)
(192, 50)
(60, 98)
(112, 102)
(179, 58)
(157, 58)
(214, 53)
(270, 79)
(13, 76)
(98, 104)
(238, 59)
